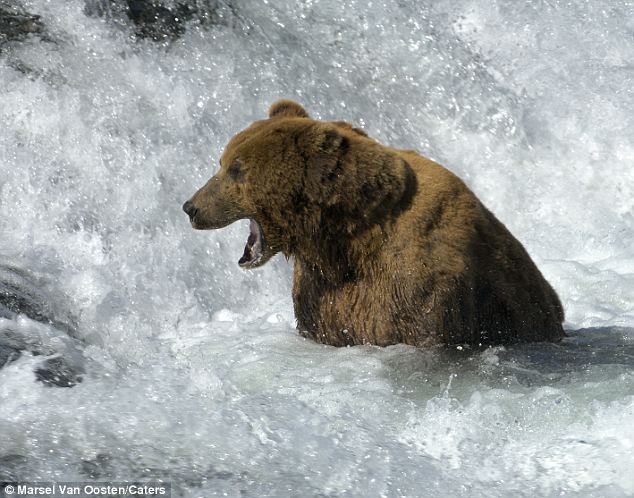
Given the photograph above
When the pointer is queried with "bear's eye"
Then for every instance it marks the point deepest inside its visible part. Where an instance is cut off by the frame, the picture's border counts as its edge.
(234, 170)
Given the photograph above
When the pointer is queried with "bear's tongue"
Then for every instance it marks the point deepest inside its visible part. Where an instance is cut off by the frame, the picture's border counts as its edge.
(254, 246)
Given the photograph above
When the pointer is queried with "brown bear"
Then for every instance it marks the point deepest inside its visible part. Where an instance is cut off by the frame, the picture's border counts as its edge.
(388, 246)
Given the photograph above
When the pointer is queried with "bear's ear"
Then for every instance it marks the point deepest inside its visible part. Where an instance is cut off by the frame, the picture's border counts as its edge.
(325, 138)
(287, 109)
(355, 184)
(323, 146)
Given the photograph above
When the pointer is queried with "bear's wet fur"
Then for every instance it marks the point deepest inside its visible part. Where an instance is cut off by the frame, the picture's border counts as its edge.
(388, 246)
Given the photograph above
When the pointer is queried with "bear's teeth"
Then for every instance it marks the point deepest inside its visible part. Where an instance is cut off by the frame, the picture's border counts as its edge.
(253, 248)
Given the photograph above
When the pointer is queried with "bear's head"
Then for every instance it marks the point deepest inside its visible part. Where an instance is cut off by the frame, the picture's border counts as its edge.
(308, 187)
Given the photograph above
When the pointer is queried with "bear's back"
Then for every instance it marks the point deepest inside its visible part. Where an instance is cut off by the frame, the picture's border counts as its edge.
(480, 269)
(448, 271)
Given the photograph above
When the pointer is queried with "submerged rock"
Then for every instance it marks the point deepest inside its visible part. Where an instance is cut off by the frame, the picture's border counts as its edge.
(159, 20)
(8, 354)
(59, 358)
(30, 321)
(59, 372)
(16, 24)
(24, 294)
(156, 21)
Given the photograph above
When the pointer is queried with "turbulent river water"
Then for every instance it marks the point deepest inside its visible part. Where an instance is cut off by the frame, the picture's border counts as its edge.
(186, 368)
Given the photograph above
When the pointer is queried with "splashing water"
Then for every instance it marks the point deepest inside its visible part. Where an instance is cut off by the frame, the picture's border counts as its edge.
(190, 367)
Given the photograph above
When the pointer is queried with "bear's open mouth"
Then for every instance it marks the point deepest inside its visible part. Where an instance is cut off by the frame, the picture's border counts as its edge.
(254, 248)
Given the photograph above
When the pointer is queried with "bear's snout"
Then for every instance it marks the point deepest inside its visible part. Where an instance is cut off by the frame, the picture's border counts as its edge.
(191, 211)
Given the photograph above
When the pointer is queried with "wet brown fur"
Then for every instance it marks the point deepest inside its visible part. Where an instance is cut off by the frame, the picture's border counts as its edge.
(388, 246)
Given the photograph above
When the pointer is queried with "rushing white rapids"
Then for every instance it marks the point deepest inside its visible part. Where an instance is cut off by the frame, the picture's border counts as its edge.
(191, 367)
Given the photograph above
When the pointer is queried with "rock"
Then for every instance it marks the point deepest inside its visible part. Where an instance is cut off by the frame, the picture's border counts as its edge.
(156, 21)
(8, 354)
(58, 372)
(16, 24)
(159, 20)
(24, 294)
(30, 320)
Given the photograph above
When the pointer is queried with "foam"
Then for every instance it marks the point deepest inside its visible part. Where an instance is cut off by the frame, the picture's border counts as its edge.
(193, 368)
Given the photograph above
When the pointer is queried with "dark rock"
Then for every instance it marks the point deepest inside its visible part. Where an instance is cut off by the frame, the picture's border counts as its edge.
(58, 372)
(16, 24)
(31, 321)
(159, 20)
(8, 354)
(24, 294)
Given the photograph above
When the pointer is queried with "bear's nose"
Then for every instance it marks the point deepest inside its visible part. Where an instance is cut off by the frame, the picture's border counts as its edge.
(189, 208)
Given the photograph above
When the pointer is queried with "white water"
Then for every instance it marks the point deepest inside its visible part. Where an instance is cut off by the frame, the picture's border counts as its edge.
(193, 369)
